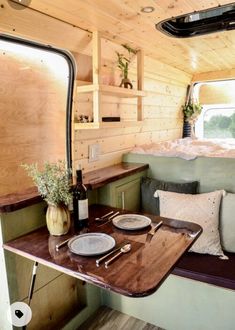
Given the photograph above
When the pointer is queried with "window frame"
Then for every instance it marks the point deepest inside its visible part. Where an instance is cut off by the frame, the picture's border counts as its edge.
(72, 74)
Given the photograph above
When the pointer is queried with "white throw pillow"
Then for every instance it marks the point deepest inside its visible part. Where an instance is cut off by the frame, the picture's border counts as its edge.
(202, 209)
(227, 222)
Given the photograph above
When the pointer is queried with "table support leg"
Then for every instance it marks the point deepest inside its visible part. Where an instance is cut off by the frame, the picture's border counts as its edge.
(33, 278)
(32, 283)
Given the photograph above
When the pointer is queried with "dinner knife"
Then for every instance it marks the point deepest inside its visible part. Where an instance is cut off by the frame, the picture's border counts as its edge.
(59, 245)
(109, 219)
(155, 228)
(103, 216)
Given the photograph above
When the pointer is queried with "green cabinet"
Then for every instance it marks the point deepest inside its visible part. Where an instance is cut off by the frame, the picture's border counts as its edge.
(123, 193)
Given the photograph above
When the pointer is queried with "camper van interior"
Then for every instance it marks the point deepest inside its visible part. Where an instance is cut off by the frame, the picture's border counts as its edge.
(117, 165)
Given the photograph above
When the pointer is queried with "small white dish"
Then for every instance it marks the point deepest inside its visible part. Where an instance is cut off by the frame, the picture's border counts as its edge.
(131, 221)
(91, 244)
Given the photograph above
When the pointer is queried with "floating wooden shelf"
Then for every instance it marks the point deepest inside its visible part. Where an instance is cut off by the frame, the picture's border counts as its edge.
(116, 124)
(86, 125)
(97, 89)
(111, 90)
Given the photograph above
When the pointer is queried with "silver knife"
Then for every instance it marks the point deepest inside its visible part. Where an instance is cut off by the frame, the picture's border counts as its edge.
(109, 219)
(154, 228)
(59, 245)
(103, 216)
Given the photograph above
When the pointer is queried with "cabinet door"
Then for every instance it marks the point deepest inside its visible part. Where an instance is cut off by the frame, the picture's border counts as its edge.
(123, 193)
(127, 196)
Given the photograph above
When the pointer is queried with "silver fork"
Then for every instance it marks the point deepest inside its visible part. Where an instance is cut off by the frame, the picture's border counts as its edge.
(98, 261)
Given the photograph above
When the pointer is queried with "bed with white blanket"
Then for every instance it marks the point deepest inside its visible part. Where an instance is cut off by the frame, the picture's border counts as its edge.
(212, 163)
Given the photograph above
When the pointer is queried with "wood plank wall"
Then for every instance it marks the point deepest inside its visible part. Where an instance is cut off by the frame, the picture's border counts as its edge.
(166, 90)
(165, 86)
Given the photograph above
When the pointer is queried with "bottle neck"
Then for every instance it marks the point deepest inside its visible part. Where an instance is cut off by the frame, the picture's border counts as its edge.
(79, 176)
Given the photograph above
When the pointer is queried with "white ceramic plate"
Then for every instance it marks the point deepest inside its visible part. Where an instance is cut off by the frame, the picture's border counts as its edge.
(131, 221)
(91, 244)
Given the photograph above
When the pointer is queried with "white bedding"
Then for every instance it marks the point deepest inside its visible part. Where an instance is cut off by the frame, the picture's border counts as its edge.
(188, 148)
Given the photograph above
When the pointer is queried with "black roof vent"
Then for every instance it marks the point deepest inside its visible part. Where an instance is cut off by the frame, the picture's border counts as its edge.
(217, 19)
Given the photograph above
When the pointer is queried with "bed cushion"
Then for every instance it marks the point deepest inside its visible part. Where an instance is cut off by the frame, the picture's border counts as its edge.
(202, 209)
(227, 222)
(208, 269)
(150, 204)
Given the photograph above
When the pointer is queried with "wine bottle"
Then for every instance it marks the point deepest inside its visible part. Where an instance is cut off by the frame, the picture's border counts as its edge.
(80, 202)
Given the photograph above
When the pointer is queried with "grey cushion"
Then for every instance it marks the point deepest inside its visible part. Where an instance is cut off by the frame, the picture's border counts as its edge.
(150, 204)
(227, 222)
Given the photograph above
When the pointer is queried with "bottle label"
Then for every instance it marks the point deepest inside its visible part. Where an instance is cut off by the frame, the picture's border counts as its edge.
(83, 209)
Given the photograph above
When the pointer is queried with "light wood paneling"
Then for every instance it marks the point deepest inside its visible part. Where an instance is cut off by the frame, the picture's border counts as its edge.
(124, 22)
(31, 24)
(214, 75)
(162, 116)
(165, 84)
(165, 89)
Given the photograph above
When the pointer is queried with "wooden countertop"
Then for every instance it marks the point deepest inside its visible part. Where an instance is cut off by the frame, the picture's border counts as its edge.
(137, 273)
(99, 178)
(92, 180)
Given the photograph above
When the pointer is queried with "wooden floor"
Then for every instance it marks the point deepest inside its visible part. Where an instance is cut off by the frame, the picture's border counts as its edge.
(109, 319)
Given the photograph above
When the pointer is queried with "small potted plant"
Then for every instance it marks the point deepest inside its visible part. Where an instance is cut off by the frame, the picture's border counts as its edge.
(54, 186)
(123, 65)
(191, 111)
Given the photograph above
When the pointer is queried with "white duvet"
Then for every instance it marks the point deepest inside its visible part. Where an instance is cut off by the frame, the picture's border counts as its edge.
(188, 148)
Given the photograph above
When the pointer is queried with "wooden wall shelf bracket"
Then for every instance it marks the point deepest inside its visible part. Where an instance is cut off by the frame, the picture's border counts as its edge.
(97, 89)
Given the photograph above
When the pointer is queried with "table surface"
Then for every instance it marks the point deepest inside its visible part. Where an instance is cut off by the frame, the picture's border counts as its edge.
(137, 273)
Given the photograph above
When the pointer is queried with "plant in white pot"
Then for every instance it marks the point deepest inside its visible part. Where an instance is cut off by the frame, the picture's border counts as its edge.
(54, 186)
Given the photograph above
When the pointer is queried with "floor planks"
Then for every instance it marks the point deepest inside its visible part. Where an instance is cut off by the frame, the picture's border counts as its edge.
(107, 319)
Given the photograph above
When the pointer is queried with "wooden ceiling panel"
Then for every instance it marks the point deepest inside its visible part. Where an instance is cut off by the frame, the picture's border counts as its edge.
(123, 21)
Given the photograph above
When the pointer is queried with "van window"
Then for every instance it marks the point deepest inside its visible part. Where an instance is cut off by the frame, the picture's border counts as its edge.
(217, 120)
(35, 109)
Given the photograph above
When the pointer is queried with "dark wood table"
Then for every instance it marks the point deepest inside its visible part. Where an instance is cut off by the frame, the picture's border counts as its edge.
(137, 273)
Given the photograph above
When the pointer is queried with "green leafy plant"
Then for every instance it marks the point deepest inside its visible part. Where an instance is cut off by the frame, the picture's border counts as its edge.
(191, 111)
(123, 61)
(52, 182)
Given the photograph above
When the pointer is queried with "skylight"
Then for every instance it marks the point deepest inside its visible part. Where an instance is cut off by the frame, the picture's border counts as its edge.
(217, 19)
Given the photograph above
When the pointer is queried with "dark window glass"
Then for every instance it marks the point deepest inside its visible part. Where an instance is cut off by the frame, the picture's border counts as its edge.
(201, 22)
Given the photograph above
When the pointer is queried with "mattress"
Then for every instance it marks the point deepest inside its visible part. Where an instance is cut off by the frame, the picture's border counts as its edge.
(189, 149)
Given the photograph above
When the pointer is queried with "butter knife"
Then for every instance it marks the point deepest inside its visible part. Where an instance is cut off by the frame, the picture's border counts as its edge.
(58, 246)
(155, 228)
(109, 219)
(103, 216)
